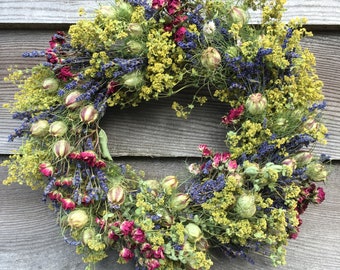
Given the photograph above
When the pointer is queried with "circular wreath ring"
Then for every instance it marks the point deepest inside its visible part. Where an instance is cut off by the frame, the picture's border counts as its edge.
(248, 198)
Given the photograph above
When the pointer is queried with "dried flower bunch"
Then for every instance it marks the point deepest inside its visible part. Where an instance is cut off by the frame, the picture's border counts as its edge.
(248, 198)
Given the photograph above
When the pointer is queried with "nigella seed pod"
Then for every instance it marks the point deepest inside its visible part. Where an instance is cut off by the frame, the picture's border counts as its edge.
(169, 183)
(71, 100)
(303, 158)
(210, 58)
(290, 163)
(256, 104)
(316, 172)
(50, 84)
(58, 129)
(77, 219)
(88, 114)
(180, 201)
(245, 205)
(62, 148)
(135, 29)
(39, 128)
(193, 232)
(116, 195)
(133, 79)
(135, 47)
(238, 15)
(88, 234)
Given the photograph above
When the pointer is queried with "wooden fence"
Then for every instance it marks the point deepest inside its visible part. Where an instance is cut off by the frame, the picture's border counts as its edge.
(150, 137)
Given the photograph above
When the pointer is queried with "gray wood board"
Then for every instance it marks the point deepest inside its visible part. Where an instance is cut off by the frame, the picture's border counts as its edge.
(30, 238)
(152, 129)
(322, 13)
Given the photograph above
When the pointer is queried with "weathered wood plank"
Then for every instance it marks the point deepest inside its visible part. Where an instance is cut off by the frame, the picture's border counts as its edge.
(323, 13)
(153, 129)
(30, 238)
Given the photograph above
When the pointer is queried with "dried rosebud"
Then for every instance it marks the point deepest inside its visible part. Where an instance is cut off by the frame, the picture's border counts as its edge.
(46, 168)
(133, 79)
(316, 172)
(211, 58)
(126, 227)
(135, 47)
(179, 201)
(152, 263)
(169, 183)
(58, 129)
(71, 100)
(55, 195)
(39, 128)
(68, 204)
(62, 148)
(138, 235)
(135, 29)
(126, 254)
(88, 234)
(50, 84)
(303, 158)
(245, 205)
(116, 195)
(77, 219)
(238, 15)
(193, 232)
(256, 104)
(88, 114)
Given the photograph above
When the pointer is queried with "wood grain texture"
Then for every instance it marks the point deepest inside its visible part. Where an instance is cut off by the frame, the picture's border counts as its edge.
(322, 13)
(30, 238)
(152, 129)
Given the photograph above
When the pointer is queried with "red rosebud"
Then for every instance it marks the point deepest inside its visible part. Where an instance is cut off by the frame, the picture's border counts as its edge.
(205, 150)
(55, 195)
(157, 4)
(46, 169)
(233, 115)
(89, 157)
(100, 164)
(112, 87)
(68, 204)
(159, 253)
(126, 254)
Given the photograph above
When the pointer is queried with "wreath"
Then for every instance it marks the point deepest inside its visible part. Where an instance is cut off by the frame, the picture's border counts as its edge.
(248, 198)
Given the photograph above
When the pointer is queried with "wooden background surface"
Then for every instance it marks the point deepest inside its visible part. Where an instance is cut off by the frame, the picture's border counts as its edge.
(151, 138)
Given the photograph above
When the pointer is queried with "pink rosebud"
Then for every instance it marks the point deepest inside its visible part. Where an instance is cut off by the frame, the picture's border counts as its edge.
(58, 129)
(232, 166)
(173, 6)
(100, 164)
(89, 157)
(68, 204)
(101, 222)
(88, 114)
(71, 100)
(55, 195)
(220, 158)
(152, 264)
(194, 168)
(145, 247)
(138, 235)
(180, 33)
(159, 253)
(233, 115)
(157, 4)
(116, 195)
(126, 227)
(256, 104)
(320, 195)
(39, 128)
(62, 148)
(205, 150)
(111, 235)
(66, 182)
(179, 201)
(50, 84)
(46, 169)
(126, 254)
(210, 58)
